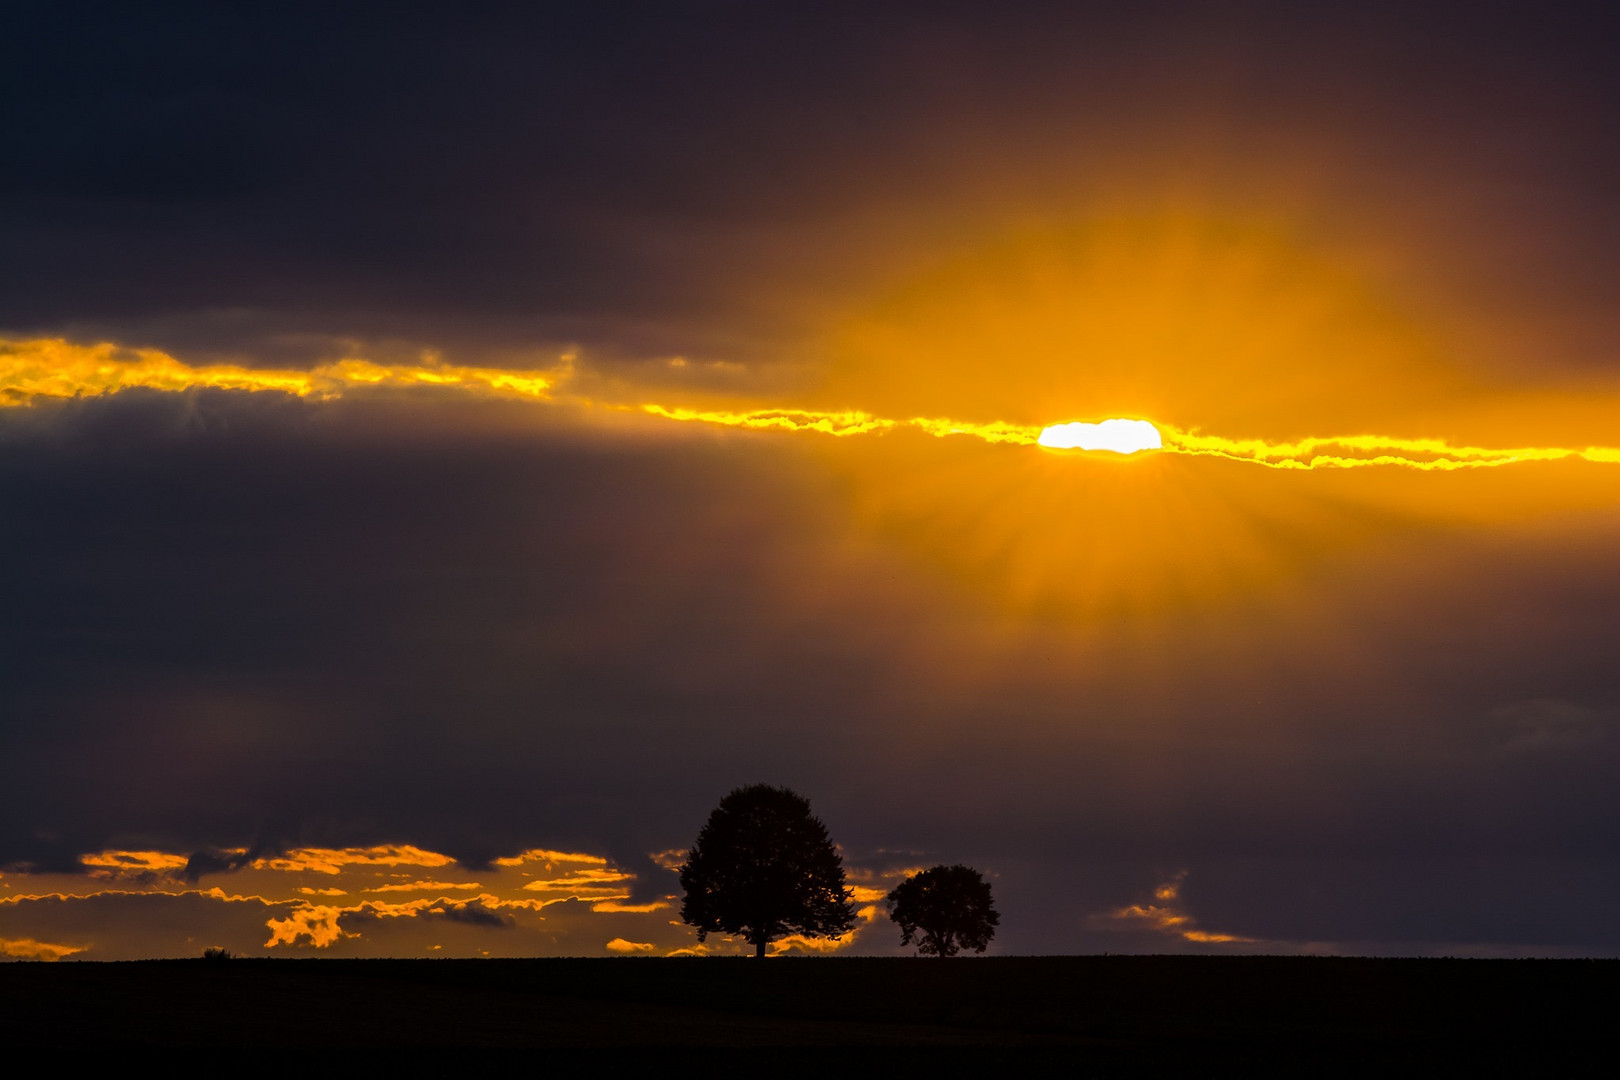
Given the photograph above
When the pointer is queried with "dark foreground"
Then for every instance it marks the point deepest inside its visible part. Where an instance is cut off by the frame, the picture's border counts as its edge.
(1100, 1015)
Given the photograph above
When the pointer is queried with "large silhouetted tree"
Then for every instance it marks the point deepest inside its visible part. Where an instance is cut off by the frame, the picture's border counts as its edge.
(763, 867)
(946, 909)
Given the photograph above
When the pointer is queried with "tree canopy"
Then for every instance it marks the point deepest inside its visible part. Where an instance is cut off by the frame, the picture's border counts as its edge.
(945, 909)
(763, 867)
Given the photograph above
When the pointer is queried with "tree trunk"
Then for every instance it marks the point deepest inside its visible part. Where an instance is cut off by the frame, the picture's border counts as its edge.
(759, 948)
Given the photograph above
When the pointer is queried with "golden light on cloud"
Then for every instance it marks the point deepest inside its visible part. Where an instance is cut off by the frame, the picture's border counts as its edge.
(333, 860)
(620, 907)
(968, 409)
(1360, 451)
(429, 886)
(54, 368)
(133, 862)
(317, 922)
(1165, 915)
(354, 901)
(29, 949)
(544, 855)
(1125, 436)
(581, 880)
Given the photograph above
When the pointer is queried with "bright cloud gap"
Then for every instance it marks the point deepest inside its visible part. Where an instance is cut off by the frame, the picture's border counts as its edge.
(1119, 436)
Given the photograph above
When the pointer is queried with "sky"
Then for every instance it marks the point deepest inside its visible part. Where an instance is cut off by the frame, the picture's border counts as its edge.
(444, 451)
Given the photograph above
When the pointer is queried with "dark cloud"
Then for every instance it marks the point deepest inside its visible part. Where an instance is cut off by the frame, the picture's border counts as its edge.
(468, 913)
(248, 636)
(693, 178)
(213, 861)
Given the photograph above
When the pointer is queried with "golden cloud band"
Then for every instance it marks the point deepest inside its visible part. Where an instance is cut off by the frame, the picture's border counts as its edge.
(50, 368)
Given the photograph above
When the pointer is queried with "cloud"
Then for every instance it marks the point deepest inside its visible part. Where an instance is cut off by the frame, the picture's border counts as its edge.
(316, 922)
(697, 949)
(638, 909)
(29, 949)
(620, 945)
(1165, 915)
(425, 886)
(56, 368)
(584, 879)
(298, 905)
(671, 859)
(216, 862)
(546, 857)
(472, 913)
(333, 861)
(803, 943)
(134, 861)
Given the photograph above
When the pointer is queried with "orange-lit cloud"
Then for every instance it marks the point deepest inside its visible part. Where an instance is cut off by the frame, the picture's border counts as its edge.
(800, 943)
(426, 886)
(542, 901)
(55, 368)
(698, 949)
(1360, 451)
(825, 423)
(672, 859)
(1132, 436)
(134, 860)
(323, 925)
(333, 860)
(632, 909)
(29, 949)
(120, 865)
(317, 922)
(1165, 915)
(543, 855)
(583, 879)
(620, 945)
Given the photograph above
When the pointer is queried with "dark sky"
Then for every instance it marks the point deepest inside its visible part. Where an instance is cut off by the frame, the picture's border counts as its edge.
(1311, 713)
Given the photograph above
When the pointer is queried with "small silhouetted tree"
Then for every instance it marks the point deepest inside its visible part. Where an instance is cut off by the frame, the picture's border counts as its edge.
(945, 909)
(763, 867)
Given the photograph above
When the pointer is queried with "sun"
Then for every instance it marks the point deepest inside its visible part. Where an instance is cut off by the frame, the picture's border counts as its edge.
(1119, 436)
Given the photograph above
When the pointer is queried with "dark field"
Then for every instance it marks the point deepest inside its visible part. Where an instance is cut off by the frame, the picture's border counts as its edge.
(1104, 1015)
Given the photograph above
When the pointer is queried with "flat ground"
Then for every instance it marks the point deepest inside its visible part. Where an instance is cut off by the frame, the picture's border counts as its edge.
(1093, 1015)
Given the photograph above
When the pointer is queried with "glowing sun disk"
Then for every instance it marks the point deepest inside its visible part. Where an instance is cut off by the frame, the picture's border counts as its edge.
(1120, 436)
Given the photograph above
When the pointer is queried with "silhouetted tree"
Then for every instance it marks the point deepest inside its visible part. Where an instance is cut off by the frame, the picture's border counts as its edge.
(763, 867)
(946, 909)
